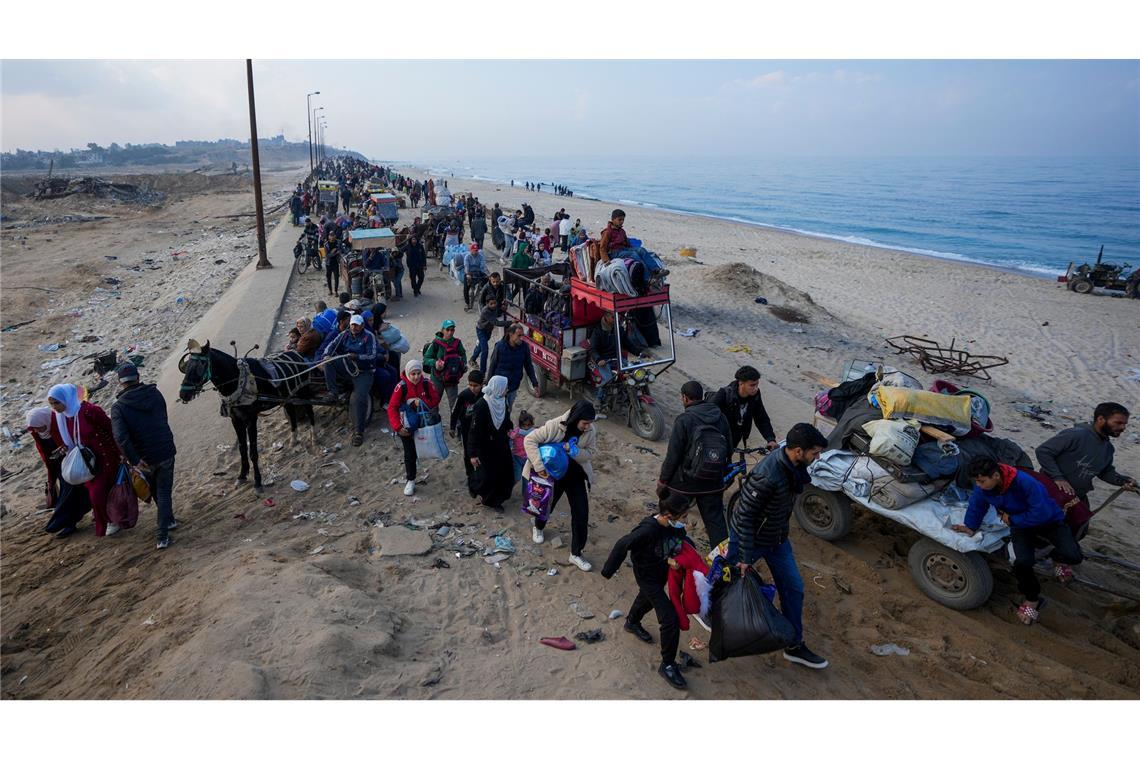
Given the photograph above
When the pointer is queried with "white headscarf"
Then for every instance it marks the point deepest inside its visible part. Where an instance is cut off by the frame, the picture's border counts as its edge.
(413, 364)
(40, 417)
(495, 394)
(68, 395)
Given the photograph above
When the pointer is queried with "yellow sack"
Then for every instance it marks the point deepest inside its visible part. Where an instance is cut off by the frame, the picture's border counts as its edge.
(927, 406)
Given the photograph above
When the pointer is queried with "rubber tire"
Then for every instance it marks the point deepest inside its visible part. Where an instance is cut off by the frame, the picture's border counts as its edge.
(975, 573)
(838, 506)
(656, 427)
(1081, 285)
(302, 264)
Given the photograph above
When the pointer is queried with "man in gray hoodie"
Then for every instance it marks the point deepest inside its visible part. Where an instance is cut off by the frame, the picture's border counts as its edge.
(140, 427)
(1075, 456)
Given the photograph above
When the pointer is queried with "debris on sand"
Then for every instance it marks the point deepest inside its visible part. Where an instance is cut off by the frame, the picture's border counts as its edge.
(61, 187)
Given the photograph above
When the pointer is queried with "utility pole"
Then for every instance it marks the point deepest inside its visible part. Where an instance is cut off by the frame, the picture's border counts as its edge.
(309, 121)
(262, 261)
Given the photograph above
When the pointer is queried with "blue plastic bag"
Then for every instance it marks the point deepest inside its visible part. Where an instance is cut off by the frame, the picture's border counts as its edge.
(554, 459)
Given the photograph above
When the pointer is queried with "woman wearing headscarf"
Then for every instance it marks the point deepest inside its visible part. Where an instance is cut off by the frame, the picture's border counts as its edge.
(416, 393)
(77, 421)
(489, 445)
(576, 423)
(69, 503)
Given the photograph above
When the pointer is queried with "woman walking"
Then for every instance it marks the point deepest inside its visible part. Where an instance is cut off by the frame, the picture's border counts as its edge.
(413, 395)
(489, 445)
(576, 423)
(78, 422)
(68, 503)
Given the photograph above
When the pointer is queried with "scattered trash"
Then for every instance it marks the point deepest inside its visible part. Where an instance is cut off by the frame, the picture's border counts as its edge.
(11, 437)
(442, 532)
(299, 485)
(581, 611)
(841, 584)
(739, 348)
(687, 660)
(61, 187)
(761, 300)
(112, 281)
(611, 518)
(886, 650)
(689, 332)
(696, 644)
(318, 550)
(561, 642)
(440, 564)
(269, 503)
(591, 637)
(552, 571)
(54, 363)
(149, 621)
(556, 542)
(615, 614)
(17, 326)
(89, 339)
(50, 347)
(504, 544)
(495, 559)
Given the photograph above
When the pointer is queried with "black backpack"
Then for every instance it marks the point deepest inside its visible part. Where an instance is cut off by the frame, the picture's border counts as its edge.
(707, 456)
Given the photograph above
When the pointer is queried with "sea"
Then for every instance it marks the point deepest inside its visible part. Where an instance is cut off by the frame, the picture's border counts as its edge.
(1032, 215)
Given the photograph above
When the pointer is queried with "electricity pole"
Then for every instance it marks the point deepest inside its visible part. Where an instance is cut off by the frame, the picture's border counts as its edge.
(262, 261)
(309, 121)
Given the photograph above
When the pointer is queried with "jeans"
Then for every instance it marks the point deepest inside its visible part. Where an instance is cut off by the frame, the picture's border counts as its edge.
(519, 463)
(781, 563)
(471, 286)
(361, 387)
(638, 254)
(654, 598)
(398, 281)
(1065, 549)
(162, 481)
(482, 352)
(511, 397)
(416, 278)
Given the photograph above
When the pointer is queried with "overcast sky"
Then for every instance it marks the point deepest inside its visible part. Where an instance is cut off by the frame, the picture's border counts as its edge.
(413, 110)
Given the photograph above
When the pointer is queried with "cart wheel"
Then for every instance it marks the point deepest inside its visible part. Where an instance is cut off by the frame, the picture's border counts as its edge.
(824, 514)
(1081, 285)
(648, 421)
(953, 579)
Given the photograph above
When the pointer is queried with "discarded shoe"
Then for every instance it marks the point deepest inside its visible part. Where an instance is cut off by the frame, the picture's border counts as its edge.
(560, 642)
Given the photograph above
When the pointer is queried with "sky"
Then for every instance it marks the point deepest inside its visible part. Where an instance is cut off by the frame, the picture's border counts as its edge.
(424, 110)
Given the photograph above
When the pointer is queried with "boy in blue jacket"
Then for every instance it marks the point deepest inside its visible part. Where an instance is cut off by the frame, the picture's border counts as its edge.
(1024, 505)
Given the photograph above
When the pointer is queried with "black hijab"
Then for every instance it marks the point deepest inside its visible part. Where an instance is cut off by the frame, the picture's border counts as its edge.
(582, 410)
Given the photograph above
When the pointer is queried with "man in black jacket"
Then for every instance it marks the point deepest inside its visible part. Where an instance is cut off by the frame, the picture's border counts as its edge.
(695, 462)
(138, 422)
(651, 546)
(741, 405)
(461, 418)
(416, 259)
(759, 527)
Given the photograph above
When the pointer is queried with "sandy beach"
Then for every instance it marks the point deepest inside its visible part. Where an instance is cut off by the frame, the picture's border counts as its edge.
(291, 599)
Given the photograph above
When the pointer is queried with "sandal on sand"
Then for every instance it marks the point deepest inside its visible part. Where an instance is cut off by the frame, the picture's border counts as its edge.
(561, 642)
(1063, 572)
(1028, 614)
(357, 439)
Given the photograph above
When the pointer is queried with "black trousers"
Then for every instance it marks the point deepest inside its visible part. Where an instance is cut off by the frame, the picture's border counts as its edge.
(410, 459)
(579, 498)
(332, 274)
(416, 278)
(1065, 550)
(654, 598)
(711, 506)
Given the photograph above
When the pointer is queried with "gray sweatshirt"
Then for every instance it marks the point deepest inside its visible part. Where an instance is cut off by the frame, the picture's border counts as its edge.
(1078, 455)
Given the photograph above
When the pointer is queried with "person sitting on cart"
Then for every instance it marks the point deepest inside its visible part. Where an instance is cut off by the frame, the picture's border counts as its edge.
(354, 359)
(604, 351)
(494, 288)
(474, 274)
(615, 244)
(1075, 456)
(377, 264)
(741, 404)
(1025, 506)
(342, 317)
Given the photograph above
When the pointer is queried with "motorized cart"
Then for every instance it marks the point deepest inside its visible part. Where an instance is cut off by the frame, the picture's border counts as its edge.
(352, 262)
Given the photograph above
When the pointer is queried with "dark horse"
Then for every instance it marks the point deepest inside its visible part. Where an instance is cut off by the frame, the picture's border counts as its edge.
(268, 384)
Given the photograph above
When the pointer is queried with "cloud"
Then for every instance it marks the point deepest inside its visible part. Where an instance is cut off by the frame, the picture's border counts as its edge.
(771, 79)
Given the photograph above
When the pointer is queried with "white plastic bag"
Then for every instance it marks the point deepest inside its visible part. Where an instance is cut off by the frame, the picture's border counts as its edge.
(74, 468)
(894, 440)
(430, 443)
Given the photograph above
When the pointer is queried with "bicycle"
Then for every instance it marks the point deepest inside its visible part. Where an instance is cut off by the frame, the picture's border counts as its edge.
(304, 255)
(738, 471)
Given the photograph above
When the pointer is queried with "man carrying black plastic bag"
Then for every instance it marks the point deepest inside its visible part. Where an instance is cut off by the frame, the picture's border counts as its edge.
(745, 622)
(759, 528)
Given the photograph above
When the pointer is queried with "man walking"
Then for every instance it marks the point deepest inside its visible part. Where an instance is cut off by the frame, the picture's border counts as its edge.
(511, 359)
(758, 528)
(695, 462)
(140, 427)
(740, 403)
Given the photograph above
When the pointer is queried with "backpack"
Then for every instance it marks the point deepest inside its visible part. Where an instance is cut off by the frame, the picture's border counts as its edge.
(707, 455)
(452, 371)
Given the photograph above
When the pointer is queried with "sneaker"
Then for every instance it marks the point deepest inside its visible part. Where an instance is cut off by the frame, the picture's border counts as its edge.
(409, 488)
(801, 655)
(536, 535)
(162, 543)
(1063, 572)
(703, 623)
(582, 564)
(112, 529)
(637, 630)
(673, 675)
(173, 525)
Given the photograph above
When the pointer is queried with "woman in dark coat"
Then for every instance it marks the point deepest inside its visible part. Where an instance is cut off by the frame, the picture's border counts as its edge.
(489, 445)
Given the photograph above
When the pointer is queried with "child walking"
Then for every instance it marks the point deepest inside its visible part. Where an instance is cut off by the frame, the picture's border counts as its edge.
(526, 424)
(651, 546)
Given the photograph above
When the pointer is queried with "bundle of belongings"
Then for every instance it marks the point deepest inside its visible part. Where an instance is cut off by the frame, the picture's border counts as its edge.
(879, 449)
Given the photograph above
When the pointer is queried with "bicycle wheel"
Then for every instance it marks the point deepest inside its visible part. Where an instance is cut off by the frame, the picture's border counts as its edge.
(302, 264)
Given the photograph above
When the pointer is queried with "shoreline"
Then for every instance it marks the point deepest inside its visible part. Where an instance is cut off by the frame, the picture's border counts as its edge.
(952, 258)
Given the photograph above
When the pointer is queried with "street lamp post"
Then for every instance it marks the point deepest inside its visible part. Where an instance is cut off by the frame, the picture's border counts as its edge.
(316, 152)
(309, 121)
(262, 260)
